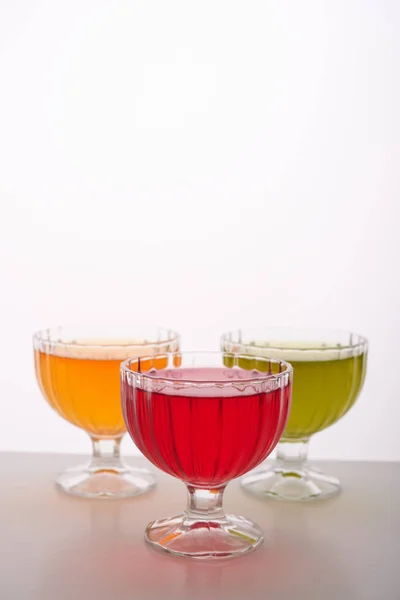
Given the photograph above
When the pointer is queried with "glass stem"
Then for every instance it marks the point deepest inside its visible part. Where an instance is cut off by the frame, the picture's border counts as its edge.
(106, 454)
(292, 455)
(205, 504)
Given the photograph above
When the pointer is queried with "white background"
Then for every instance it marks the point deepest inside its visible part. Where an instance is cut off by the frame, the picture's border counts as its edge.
(202, 165)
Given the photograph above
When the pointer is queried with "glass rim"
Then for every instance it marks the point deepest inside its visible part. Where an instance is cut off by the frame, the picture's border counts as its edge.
(360, 343)
(126, 368)
(44, 335)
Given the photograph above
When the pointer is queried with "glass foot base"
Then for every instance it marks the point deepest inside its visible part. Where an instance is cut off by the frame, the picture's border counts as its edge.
(88, 482)
(291, 483)
(226, 537)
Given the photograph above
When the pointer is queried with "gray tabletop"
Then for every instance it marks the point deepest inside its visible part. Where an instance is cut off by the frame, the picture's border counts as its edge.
(58, 547)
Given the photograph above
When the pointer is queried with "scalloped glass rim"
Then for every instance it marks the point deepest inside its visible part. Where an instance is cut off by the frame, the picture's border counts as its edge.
(281, 377)
(291, 343)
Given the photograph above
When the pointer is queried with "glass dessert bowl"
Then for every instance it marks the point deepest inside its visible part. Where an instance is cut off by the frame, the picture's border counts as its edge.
(329, 372)
(78, 371)
(205, 420)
